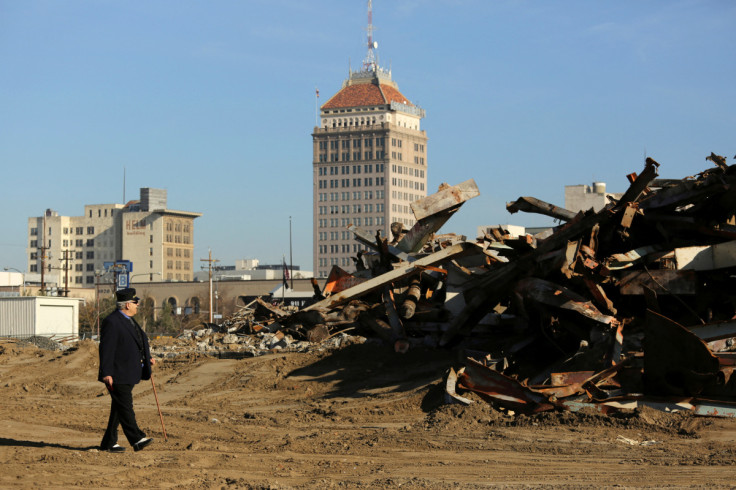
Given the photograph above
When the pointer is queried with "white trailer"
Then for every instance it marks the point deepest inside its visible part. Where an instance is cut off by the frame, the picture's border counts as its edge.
(48, 316)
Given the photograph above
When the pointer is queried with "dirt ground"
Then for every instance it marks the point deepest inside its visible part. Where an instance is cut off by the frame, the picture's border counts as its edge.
(359, 417)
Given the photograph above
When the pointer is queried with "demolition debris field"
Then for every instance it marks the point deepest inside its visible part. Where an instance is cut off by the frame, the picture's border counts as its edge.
(584, 355)
(357, 417)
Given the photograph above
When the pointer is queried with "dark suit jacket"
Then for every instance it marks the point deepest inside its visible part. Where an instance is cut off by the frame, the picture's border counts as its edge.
(120, 350)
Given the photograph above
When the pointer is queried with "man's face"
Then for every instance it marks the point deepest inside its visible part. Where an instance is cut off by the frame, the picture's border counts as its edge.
(132, 306)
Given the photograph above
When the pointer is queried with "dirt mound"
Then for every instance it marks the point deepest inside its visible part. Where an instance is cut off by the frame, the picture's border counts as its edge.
(480, 413)
(11, 349)
(359, 417)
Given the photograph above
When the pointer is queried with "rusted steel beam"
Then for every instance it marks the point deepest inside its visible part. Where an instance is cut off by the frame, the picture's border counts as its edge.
(450, 392)
(628, 402)
(550, 294)
(560, 391)
(340, 280)
(401, 271)
(640, 183)
(419, 234)
(368, 240)
(662, 281)
(687, 192)
(715, 331)
(400, 344)
(445, 199)
(494, 386)
(708, 257)
(719, 160)
(409, 305)
(591, 385)
(676, 361)
(433, 211)
(533, 205)
(618, 344)
(599, 295)
(714, 408)
(632, 257)
(368, 319)
(562, 379)
(272, 310)
(629, 213)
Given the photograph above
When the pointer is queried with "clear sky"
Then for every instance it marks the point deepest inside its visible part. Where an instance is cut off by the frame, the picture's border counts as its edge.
(215, 102)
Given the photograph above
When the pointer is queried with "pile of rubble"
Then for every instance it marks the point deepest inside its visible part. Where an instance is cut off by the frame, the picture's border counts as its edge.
(632, 305)
(42, 343)
(218, 341)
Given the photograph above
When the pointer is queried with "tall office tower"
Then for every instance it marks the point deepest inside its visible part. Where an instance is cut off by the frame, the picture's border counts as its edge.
(369, 159)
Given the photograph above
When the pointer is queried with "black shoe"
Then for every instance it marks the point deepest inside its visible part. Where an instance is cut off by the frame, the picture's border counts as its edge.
(142, 443)
(117, 448)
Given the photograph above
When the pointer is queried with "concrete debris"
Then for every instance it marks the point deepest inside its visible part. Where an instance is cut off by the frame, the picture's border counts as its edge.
(43, 342)
(212, 342)
(613, 310)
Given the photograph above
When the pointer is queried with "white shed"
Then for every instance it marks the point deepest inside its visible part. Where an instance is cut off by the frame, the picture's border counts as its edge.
(49, 316)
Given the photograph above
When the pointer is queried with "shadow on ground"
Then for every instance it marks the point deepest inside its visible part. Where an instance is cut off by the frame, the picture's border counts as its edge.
(358, 369)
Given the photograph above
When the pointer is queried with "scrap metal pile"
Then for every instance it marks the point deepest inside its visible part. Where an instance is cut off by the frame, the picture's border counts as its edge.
(632, 305)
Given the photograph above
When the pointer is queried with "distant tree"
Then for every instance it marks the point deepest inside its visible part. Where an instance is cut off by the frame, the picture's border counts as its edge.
(145, 314)
(226, 307)
(166, 324)
(88, 315)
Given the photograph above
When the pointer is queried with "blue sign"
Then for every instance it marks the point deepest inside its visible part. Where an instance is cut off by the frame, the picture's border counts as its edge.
(124, 265)
(123, 280)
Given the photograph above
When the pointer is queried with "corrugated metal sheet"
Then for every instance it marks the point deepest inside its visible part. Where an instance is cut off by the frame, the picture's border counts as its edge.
(17, 317)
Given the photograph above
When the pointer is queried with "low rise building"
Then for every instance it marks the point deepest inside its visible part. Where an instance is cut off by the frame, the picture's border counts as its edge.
(71, 251)
(584, 197)
(251, 270)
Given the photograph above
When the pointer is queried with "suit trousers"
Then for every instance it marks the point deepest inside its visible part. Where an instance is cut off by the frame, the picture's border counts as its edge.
(121, 413)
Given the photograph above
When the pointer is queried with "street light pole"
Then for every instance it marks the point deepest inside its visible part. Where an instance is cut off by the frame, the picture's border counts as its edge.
(144, 274)
(210, 261)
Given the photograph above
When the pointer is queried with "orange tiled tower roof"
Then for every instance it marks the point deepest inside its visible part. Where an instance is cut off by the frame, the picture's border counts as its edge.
(366, 93)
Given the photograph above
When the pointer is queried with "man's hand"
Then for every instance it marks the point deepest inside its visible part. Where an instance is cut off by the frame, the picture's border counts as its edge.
(108, 382)
(153, 361)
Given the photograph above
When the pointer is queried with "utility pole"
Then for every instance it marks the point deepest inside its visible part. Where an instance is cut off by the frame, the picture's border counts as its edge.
(66, 260)
(210, 261)
(97, 301)
(43, 249)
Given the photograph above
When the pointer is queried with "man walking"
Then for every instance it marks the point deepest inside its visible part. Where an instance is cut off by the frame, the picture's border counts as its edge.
(125, 359)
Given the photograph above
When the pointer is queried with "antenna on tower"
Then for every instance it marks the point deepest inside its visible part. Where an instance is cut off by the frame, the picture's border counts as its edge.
(371, 61)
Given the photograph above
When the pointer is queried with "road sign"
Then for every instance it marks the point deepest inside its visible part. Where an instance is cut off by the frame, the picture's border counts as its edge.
(123, 280)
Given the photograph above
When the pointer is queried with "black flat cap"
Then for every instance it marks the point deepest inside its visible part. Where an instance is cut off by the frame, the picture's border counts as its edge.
(127, 294)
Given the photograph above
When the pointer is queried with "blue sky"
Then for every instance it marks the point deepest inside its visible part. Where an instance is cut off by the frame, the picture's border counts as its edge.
(214, 101)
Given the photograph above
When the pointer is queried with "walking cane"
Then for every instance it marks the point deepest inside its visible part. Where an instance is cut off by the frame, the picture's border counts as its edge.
(159, 408)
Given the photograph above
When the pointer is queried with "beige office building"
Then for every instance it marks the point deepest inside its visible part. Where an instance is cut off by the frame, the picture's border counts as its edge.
(370, 164)
(158, 241)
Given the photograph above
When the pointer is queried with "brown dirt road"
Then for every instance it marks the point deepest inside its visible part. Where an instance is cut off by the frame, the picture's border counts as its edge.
(360, 417)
